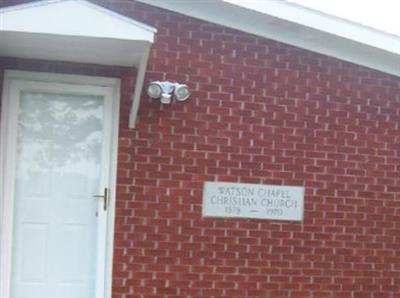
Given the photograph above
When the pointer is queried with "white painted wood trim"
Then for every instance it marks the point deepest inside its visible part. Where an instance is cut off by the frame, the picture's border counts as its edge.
(138, 87)
(110, 88)
(113, 189)
(7, 156)
(61, 78)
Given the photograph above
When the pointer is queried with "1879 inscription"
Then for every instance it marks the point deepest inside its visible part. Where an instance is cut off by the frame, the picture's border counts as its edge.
(223, 199)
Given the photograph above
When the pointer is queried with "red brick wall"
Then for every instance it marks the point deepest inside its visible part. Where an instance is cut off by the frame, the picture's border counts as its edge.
(260, 112)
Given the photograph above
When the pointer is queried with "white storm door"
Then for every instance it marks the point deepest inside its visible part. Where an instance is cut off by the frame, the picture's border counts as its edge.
(61, 160)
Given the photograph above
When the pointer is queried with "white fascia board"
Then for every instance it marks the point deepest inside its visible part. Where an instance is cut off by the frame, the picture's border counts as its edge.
(324, 22)
(361, 51)
(72, 18)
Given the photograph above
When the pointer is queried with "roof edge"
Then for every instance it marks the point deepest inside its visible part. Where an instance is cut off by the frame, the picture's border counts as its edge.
(308, 17)
(368, 50)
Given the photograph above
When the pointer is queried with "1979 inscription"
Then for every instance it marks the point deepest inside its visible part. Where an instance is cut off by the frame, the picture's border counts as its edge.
(223, 199)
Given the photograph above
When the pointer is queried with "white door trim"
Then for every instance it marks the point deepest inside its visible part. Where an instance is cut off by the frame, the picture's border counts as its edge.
(111, 89)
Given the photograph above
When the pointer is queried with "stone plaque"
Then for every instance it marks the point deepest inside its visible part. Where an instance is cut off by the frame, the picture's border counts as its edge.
(242, 200)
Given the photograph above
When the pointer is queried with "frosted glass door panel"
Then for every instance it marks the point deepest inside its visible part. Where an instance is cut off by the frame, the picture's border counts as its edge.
(57, 173)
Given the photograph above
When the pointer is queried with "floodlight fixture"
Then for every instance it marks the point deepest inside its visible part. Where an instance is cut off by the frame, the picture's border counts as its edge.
(167, 91)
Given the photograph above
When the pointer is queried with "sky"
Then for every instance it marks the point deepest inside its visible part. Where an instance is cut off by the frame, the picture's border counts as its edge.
(379, 14)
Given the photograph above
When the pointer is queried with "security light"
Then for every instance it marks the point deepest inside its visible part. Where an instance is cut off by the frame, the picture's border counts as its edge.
(166, 91)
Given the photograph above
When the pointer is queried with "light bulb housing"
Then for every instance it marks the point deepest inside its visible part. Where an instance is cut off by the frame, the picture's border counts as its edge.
(181, 92)
(154, 90)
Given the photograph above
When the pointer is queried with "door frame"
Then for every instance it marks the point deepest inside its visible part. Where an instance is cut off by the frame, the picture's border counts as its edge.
(8, 132)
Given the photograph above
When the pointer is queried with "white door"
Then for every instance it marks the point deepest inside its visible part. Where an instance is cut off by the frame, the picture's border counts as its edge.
(60, 163)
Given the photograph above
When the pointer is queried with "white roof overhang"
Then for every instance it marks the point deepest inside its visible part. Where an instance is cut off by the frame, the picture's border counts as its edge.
(299, 26)
(76, 31)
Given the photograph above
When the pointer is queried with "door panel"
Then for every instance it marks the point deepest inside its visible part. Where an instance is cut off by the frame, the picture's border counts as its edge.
(56, 219)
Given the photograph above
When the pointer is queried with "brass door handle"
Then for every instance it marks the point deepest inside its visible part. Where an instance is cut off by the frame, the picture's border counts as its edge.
(105, 198)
